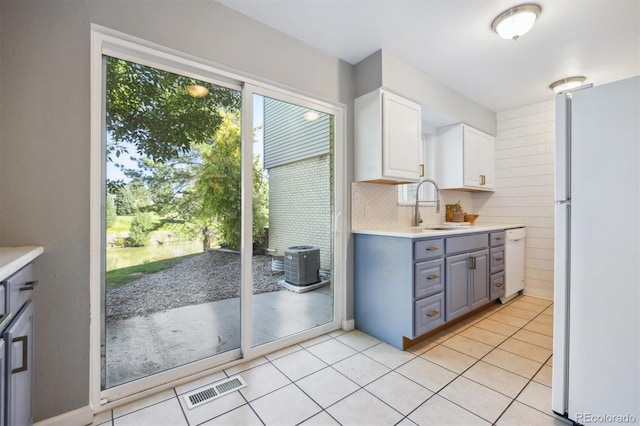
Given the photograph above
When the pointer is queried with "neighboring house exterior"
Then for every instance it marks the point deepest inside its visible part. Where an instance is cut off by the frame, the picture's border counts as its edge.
(298, 157)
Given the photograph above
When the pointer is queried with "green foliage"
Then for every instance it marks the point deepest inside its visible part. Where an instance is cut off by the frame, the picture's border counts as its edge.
(131, 198)
(140, 230)
(110, 211)
(152, 110)
(219, 182)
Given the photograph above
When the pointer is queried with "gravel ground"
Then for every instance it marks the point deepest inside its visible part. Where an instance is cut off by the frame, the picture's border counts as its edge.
(207, 277)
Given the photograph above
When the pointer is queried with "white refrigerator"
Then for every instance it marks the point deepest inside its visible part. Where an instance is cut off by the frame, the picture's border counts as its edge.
(596, 345)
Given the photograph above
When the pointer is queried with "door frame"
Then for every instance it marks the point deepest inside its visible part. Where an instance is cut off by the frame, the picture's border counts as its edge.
(105, 41)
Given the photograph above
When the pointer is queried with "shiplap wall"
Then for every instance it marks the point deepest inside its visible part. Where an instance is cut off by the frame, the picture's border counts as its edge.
(524, 192)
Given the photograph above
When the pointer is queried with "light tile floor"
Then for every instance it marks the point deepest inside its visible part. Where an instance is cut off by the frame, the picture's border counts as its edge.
(493, 368)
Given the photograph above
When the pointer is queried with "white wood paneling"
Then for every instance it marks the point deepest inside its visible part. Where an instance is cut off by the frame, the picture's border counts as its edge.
(525, 145)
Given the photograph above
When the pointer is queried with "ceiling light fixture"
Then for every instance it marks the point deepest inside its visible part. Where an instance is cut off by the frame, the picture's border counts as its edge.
(311, 115)
(197, 91)
(517, 21)
(567, 83)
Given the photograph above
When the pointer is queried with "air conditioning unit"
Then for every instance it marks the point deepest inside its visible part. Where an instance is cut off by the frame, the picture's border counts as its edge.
(302, 265)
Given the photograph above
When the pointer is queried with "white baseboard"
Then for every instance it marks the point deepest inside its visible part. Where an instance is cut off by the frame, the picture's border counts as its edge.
(348, 325)
(81, 416)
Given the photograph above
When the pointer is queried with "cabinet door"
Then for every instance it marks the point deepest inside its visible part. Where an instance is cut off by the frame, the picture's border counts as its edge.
(473, 146)
(457, 286)
(3, 379)
(479, 278)
(478, 163)
(487, 161)
(400, 138)
(19, 340)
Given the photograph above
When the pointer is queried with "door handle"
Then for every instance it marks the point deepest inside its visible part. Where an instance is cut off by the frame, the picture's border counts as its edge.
(28, 286)
(473, 262)
(25, 354)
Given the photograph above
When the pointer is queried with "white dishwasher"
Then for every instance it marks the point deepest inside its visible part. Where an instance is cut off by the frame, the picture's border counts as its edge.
(514, 265)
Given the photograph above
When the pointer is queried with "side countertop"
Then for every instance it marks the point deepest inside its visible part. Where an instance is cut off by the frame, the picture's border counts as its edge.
(14, 258)
(425, 232)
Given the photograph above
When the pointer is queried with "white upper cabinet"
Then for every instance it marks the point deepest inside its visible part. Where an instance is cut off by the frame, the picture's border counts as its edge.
(465, 159)
(387, 139)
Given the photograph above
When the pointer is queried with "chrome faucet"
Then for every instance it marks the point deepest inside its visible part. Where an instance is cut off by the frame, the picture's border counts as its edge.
(416, 213)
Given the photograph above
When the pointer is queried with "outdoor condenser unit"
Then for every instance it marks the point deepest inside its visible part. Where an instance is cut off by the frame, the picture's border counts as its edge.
(302, 265)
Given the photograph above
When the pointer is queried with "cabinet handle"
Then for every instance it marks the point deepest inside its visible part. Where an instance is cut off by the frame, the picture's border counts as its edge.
(25, 354)
(29, 285)
(432, 248)
(433, 313)
(483, 180)
(499, 259)
(473, 262)
(433, 277)
(421, 170)
(499, 285)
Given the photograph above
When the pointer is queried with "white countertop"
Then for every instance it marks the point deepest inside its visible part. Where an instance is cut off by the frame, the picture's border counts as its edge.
(14, 258)
(421, 232)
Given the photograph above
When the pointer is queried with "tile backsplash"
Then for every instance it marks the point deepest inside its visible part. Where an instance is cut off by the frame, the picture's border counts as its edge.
(375, 206)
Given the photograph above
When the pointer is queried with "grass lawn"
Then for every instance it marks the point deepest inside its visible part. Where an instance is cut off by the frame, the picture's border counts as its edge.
(122, 276)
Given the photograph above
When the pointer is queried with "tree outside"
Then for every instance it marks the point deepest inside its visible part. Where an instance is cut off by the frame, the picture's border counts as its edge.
(179, 158)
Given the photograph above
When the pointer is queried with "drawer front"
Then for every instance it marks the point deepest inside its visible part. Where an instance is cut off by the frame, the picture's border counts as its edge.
(467, 243)
(428, 249)
(429, 278)
(18, 289)
(497, 285)
(497, 238)
(3, 299)
(497, 260)
(429, 314)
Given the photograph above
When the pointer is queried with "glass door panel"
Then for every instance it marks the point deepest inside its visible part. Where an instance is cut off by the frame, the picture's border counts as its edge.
(171, 277)
(293, 289)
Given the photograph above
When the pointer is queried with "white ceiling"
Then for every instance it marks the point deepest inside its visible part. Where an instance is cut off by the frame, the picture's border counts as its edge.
(451, 40)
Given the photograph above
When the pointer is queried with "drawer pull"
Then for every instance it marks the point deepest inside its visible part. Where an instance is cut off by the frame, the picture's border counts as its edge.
(473, 262)
(498, 238)
(499, 259)
(433, 277)
(433, 313)
(25, 354)
(433, 248)
(28, 286)
(499, 285)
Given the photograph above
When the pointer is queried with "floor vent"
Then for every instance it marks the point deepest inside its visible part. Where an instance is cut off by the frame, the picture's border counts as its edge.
(213, 391)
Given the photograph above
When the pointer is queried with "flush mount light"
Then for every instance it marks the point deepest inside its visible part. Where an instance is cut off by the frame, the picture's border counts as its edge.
(567, 83)
(197, 91)
(517, 21)
(311, 115)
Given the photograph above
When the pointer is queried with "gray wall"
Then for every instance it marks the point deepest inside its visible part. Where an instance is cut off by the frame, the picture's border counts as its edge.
(387, 70)
(45, 142)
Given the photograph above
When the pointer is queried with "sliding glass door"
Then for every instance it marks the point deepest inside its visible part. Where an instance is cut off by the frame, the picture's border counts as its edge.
(293, 207)
(172, 220)
(216, 224)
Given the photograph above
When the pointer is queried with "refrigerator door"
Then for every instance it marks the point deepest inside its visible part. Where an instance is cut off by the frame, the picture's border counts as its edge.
(561, 254)
(604, 319)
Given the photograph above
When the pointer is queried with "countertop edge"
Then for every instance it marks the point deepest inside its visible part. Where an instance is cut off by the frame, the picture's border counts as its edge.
(407, 232)
(12, 259)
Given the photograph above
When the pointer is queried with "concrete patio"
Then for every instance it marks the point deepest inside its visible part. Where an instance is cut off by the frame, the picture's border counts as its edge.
(140, 346)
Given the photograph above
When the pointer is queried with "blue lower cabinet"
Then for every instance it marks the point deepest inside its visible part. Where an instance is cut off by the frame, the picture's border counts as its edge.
(19, 340)
(429, 314)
